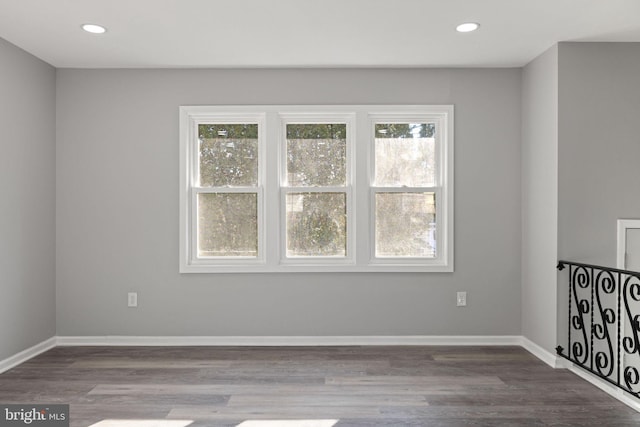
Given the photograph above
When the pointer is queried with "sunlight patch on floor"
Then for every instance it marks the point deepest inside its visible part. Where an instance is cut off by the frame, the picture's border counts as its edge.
(288, 423)
(142, 423)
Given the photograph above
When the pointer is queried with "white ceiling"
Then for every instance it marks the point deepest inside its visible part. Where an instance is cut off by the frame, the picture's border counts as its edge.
(308, 33)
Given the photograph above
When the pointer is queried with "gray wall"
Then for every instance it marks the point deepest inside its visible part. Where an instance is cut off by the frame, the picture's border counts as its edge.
(599, 147)
(116, 186)
(117, 210)
(27, 207)
(540, 198)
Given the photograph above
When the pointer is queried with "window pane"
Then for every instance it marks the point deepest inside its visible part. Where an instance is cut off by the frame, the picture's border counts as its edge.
(228, 225)
(316, 154)
(316, 224)
(405, 225)
(405, 154)
(228, 155)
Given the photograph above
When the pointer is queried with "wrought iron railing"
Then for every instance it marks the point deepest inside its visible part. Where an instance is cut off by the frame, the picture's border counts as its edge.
(603, 332)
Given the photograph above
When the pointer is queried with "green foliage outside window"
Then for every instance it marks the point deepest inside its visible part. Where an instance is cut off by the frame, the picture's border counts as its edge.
(405, 130)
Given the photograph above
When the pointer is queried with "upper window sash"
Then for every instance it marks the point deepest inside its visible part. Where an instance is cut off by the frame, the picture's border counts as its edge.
(316, 118)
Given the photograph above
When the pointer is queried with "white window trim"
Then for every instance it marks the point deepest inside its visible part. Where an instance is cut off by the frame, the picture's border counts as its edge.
(622, 226)
(360, 187)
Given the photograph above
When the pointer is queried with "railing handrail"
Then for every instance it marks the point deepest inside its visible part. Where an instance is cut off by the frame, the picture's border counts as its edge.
(561, 265)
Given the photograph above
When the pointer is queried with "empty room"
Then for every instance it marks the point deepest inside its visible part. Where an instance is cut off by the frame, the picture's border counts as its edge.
(295, 213)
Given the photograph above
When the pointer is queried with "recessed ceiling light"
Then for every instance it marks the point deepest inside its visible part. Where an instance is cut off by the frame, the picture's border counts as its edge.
(93, 28)
(467, 27)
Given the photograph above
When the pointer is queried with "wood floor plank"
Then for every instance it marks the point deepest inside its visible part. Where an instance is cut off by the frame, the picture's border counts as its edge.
(270, 389)
(382, 380)
(281, 400)
(274, 413)
(129, 363)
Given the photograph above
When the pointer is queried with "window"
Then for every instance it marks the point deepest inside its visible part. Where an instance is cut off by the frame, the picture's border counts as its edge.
(404, 190)
(316, 188)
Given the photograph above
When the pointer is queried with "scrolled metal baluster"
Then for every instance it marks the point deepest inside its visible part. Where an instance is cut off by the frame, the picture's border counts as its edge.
(631, 343)
(580, 279)
(631, 379)
(631, 340)
(604, 361)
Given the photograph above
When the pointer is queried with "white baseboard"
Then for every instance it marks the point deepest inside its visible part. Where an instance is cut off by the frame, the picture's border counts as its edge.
(27, 354)
(114, 340)
(611, 390)
(542, 354)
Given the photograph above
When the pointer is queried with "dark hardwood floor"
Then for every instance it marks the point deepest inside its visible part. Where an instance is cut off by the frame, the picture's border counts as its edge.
(353, 386)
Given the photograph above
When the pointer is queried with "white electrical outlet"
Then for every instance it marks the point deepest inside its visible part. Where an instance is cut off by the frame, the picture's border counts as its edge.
(461, 299)
(132, 299)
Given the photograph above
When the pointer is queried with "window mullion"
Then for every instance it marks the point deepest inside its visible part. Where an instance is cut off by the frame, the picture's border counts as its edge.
(272, 165)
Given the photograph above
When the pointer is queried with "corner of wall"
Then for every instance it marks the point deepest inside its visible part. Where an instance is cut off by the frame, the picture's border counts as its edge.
(27, 214)
(539, 171)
